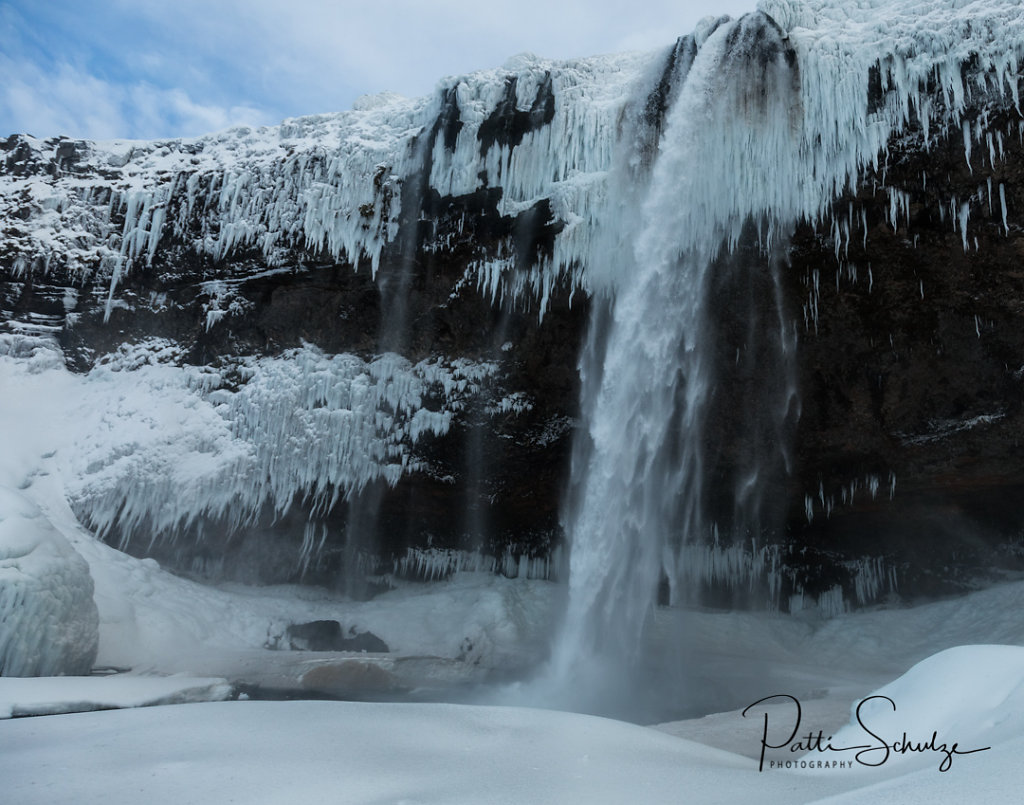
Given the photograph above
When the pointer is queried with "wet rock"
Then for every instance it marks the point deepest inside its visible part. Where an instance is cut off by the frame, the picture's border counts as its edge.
(327, 636)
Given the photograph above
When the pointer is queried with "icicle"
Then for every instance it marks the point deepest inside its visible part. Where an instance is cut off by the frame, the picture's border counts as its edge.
(965, 214)
(967, 145)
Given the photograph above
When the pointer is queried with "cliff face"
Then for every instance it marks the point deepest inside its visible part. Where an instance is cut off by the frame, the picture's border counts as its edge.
(911, 370)
(384, 312)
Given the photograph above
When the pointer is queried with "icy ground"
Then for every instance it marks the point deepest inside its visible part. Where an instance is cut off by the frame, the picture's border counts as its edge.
(50, 695)
(967, 702)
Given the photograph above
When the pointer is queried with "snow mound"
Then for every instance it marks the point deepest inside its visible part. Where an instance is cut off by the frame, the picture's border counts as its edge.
(49, 623)
(331, 752)
(961, 702)
(36, 354)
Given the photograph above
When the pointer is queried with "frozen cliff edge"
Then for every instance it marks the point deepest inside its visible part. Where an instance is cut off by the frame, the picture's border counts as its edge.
(537, 132)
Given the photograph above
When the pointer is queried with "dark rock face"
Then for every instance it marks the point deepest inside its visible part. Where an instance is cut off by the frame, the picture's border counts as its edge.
(506, 471)
(491, 485)
(507, 124)
(912, 371)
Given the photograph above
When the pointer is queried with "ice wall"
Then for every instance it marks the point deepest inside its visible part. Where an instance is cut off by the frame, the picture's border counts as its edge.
(49, 624)
(160, 446)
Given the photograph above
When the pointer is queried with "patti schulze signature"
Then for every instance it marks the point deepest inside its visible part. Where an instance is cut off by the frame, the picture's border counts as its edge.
(869, 754)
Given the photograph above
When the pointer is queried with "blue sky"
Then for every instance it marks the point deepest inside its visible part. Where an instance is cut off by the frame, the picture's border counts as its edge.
(166, 68)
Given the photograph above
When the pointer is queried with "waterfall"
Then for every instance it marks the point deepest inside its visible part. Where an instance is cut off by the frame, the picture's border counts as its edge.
(649, 370)
(394, 281)
(765, 125)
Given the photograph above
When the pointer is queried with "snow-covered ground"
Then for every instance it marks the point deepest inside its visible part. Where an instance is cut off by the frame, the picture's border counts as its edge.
(187, 642)
(333, 752)
(49, 695)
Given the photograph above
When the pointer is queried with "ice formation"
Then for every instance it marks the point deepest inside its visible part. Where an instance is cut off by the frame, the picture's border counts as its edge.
(165, 445)
(330, 184)
(48, 620)
(539, 130)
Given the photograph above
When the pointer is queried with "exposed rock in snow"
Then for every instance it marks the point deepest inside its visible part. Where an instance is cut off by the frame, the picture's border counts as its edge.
(327, 636)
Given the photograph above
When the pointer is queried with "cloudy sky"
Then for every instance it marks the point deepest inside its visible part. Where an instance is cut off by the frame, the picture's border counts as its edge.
(162, 68)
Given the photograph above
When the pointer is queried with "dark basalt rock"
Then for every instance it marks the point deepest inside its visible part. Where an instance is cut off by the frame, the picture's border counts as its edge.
(917, 371)
(448, 124)
(507, 125)
(327, 636)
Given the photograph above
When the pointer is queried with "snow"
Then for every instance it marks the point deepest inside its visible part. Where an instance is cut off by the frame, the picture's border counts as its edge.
(152, 621)
(973, 694)
(320, 752)
(458, 632)
(54, 695)
(276, 752)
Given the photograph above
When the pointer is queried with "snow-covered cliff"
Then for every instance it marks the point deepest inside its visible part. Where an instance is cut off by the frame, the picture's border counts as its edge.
(351, 340)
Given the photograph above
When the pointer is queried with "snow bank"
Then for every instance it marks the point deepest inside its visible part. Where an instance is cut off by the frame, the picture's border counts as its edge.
(956, 702)
(48, 620)
(960, 715)
(52, 695)
(331, 752)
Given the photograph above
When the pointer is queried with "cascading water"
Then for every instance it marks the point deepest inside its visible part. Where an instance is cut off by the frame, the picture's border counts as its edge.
(774, 120)
(394, 284)
(649, 370)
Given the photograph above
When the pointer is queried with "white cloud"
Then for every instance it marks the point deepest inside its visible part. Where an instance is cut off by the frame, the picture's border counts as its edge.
(322, 54)
(147, 68)
(72, 102)
(63, 101)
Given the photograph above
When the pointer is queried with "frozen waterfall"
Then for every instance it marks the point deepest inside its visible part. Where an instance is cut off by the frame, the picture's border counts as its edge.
(649, 368)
